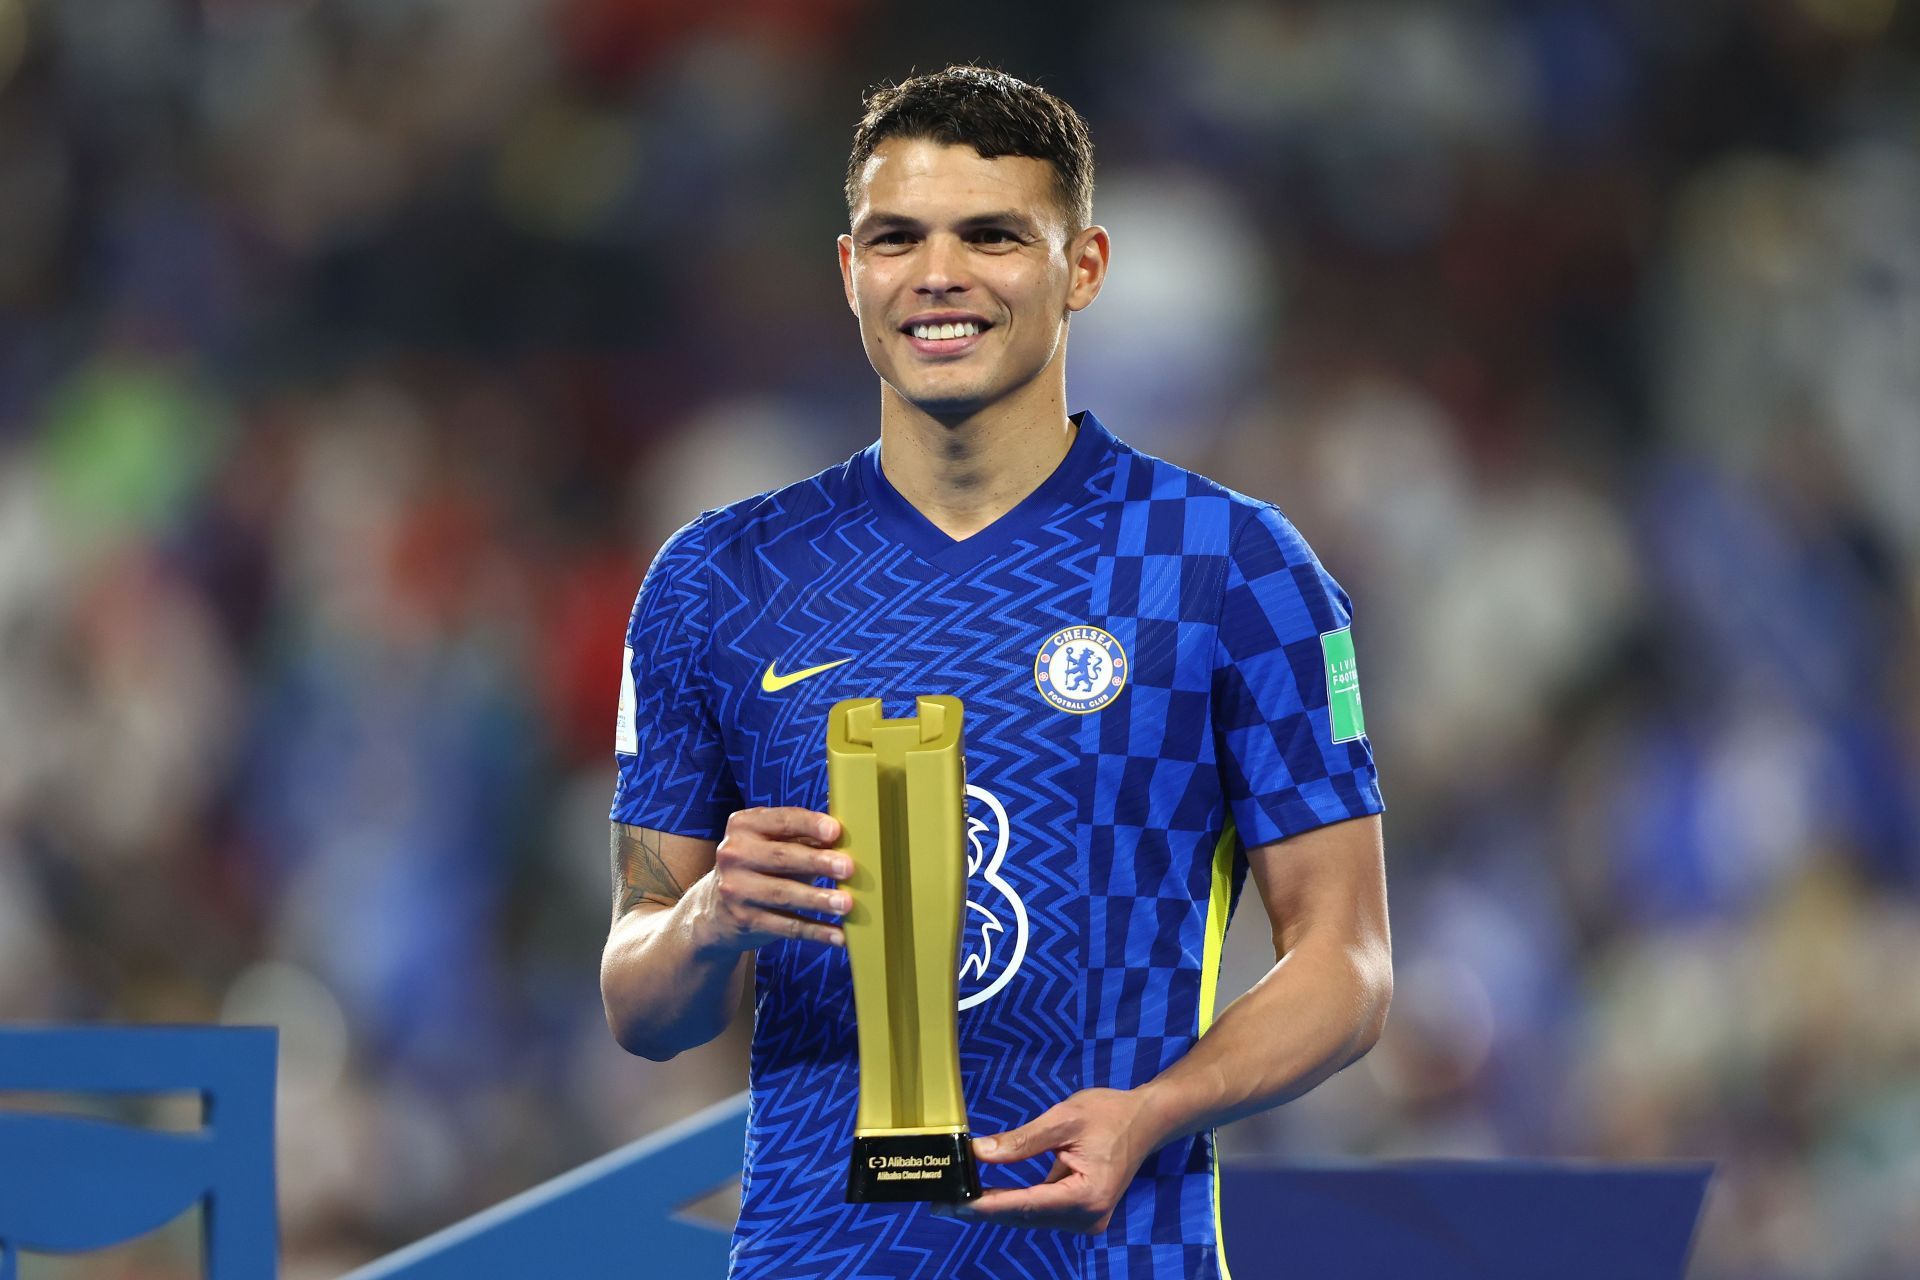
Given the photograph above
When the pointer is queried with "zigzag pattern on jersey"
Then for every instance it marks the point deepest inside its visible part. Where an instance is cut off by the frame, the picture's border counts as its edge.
(675, 781)
(809, 579)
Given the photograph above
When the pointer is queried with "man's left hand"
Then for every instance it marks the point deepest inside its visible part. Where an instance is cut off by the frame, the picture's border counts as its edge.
(1098, 1138)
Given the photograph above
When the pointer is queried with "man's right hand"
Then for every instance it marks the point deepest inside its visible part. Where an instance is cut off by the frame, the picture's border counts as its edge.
(760, 880)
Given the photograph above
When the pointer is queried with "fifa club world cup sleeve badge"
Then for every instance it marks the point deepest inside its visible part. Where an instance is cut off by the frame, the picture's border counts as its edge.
(1343, 686)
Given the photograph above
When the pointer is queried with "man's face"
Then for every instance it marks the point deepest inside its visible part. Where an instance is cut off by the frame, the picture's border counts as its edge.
(943, 237)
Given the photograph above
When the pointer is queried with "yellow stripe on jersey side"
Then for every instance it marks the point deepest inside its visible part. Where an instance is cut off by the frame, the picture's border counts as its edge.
(1219, 898)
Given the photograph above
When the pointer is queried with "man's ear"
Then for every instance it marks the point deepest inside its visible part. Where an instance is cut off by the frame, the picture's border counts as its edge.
(844, 245)
(1087, 256)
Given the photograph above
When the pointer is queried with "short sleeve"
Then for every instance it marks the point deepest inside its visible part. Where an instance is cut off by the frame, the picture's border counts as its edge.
(1289, 734)
(673, 771)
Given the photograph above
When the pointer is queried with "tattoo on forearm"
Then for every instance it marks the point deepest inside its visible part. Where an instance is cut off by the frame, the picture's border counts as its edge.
(639, 873)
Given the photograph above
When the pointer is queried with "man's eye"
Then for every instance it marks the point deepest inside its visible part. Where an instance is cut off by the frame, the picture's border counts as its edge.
(998, 236)
(891, 237)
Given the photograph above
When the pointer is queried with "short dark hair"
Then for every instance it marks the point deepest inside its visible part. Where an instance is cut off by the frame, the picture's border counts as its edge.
(990, 111)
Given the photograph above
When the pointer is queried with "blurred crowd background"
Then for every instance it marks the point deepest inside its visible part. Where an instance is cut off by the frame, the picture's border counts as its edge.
(357, 355)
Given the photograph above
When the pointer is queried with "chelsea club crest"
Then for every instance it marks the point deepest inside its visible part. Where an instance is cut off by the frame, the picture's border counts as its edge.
(1080, 669)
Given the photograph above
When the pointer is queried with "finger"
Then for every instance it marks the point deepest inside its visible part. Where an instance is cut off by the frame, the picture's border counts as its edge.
(1043, 1133)
(798, 861)
(748, 851)
(787, 823)
(1046, 1204)
(770, 926)
(775, 894)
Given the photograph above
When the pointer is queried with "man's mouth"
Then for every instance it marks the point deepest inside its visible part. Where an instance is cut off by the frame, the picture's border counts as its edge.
(945, 337)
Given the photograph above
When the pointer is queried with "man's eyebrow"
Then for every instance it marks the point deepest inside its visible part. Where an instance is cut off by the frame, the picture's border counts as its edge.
(1002, 218)
(884, 220)
(879, 219)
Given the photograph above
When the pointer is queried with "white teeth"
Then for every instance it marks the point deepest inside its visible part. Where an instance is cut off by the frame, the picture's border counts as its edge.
(936, 332)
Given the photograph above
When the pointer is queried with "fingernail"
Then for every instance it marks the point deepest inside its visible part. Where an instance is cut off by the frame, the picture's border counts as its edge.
(842, 868)
(827, 828)
(837, 938)
(985, 1146)
(840, 902)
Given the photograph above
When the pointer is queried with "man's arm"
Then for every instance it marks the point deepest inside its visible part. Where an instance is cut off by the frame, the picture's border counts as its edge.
(1324, 1002)
(662, 994)
(1320, 1008)
(687, 914)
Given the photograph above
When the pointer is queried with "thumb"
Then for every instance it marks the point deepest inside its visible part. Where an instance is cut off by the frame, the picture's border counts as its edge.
(1031, 1139)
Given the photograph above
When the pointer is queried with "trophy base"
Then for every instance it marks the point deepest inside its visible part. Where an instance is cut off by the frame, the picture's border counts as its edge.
(925, 1168)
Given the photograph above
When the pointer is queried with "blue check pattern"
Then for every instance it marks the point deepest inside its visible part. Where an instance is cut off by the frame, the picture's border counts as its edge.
(1219, 740)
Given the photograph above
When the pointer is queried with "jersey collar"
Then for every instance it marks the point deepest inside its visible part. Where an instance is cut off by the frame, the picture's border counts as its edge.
(903, 522)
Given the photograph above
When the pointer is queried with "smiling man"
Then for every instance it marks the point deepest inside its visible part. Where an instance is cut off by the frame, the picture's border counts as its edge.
(1161, 700)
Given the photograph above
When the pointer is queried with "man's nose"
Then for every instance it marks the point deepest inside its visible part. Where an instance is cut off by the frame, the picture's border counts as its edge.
(943, 265)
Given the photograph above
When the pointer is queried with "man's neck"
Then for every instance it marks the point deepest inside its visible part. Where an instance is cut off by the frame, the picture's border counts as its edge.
(966, 475)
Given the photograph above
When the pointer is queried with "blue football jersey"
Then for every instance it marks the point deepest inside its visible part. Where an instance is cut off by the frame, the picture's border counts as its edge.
(1157, 674)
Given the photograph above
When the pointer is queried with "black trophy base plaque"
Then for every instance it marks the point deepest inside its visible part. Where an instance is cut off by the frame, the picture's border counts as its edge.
(928, 1168)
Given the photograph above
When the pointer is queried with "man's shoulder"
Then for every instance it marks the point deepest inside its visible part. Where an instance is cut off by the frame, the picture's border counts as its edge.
(1213, 517)
(773, 511)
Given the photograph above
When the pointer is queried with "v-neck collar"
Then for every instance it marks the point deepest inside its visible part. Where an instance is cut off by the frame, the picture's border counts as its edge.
(903, 521)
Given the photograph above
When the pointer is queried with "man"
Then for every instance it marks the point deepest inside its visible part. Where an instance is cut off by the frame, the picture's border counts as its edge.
(1160, 698)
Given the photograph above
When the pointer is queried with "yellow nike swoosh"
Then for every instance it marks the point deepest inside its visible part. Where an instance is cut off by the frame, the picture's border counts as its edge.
(775, 683)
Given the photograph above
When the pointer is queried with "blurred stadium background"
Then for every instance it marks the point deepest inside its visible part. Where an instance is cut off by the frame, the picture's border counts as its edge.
(356, 356)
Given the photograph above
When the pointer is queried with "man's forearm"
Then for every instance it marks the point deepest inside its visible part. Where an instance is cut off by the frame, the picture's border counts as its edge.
(1316, 1011)
(664, 991)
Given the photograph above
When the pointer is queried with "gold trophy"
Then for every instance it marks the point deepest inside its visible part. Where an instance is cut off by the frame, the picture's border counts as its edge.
(899, 791)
